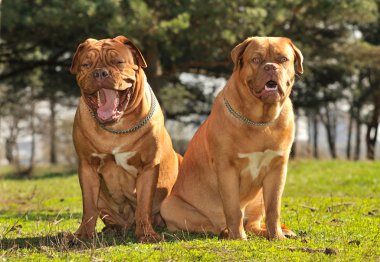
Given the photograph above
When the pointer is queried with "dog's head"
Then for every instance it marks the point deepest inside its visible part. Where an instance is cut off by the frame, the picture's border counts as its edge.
(266, 66)
(106, 72)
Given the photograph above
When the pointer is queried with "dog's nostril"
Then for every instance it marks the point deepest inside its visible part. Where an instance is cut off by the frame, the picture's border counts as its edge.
(269, 67)
(100, 73)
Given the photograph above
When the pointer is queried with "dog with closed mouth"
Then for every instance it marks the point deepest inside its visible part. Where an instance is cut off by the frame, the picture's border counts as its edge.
(233, 172)
(127, 165)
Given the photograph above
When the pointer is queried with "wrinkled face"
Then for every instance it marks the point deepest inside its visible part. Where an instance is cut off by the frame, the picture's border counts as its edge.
(106, 74)
(266, 67)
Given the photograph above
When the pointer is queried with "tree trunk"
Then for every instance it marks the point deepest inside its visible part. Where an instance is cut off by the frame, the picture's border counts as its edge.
(315, 136)
(154, 69)
(11, 148)
(30, 169)
(309, 132)
(358, 138)
(371, 135)
(11, 153)
(10, 144)
(53, 130)
(329, 120)
(373, 123)
(349, 135)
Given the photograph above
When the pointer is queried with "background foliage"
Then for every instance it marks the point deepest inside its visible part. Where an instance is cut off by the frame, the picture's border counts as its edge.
(340, 41)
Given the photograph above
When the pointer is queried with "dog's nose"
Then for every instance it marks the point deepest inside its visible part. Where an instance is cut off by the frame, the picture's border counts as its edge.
(270, 67)
(100, 73)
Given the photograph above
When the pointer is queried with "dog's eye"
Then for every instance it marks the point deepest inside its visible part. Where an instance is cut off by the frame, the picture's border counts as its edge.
(256, 60)
(119, 62)
(85, 65)
(283, 59)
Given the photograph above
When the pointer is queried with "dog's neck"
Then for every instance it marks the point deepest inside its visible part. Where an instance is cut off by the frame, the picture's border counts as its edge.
(246, 104)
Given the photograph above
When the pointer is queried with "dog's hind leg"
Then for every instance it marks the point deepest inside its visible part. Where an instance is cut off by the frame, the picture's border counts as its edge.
(179, 215)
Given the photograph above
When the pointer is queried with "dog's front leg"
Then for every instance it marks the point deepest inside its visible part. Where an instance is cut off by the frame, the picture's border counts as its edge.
(228, 185)
(90, 186)
(145, 189)
(273, 186)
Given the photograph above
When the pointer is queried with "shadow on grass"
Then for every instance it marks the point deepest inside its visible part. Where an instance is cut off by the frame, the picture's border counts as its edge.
(47, 175)
(32, 215)
(59, 242)
(53, 218)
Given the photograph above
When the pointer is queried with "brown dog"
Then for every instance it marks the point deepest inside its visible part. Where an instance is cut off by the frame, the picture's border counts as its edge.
(127, 165)
(234, 170)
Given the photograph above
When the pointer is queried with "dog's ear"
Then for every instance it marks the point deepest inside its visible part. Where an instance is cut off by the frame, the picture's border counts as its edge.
(136, 52)
(299, 58)
(238, 51)
(75, 63)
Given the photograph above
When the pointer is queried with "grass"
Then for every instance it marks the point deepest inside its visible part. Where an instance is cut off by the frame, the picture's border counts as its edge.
(333, 206)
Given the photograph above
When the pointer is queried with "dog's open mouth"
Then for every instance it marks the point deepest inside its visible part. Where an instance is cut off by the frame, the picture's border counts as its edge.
(271, 88)
(109, 104)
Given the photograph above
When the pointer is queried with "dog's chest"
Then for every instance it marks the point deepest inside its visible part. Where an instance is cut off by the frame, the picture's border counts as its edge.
(256, 161)
(122, 160)
(119, 171)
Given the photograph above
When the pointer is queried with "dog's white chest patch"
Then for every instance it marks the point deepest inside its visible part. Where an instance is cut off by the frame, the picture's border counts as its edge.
(121, 160)
(258, 160)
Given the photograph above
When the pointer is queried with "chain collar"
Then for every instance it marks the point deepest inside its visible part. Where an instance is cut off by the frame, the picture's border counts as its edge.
(135, 127)
(244, 119)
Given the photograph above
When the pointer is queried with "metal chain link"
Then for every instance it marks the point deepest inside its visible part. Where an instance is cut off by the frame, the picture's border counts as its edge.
(135, 127)
(244, 119)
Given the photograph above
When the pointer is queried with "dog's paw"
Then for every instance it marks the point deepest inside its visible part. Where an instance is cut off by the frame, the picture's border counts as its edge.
(80, 235)
(151, 237)
(115, 230)
(71, 240)
(276, 235)
(279, 234)
(256, 229)
(289, 233)
(229, 235)
(68, 240)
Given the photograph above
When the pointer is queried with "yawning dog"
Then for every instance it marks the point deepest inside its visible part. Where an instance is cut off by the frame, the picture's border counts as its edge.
(127, 165)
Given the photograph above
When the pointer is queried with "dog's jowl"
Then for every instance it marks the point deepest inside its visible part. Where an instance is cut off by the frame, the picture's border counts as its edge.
(234, 171)
(127, 165)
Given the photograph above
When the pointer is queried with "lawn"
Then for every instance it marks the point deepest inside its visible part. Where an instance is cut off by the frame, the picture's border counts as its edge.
(333, 206)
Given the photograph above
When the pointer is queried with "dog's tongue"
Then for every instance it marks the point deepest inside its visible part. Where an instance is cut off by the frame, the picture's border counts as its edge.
(107, 109)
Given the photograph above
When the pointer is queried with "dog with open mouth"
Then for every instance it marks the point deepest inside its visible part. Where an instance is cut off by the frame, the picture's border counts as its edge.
(127, 165)
(233, 172)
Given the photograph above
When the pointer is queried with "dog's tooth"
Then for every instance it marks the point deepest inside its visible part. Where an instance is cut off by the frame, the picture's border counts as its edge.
(98, 95)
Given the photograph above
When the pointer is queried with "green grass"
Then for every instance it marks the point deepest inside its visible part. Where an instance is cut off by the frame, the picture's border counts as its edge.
(331, 205)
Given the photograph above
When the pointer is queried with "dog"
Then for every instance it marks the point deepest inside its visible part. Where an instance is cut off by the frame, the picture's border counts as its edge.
(127, 164)
(233, 172)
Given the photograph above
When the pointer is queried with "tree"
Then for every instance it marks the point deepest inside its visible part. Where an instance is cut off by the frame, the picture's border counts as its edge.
(196, 36)
(371, 36)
